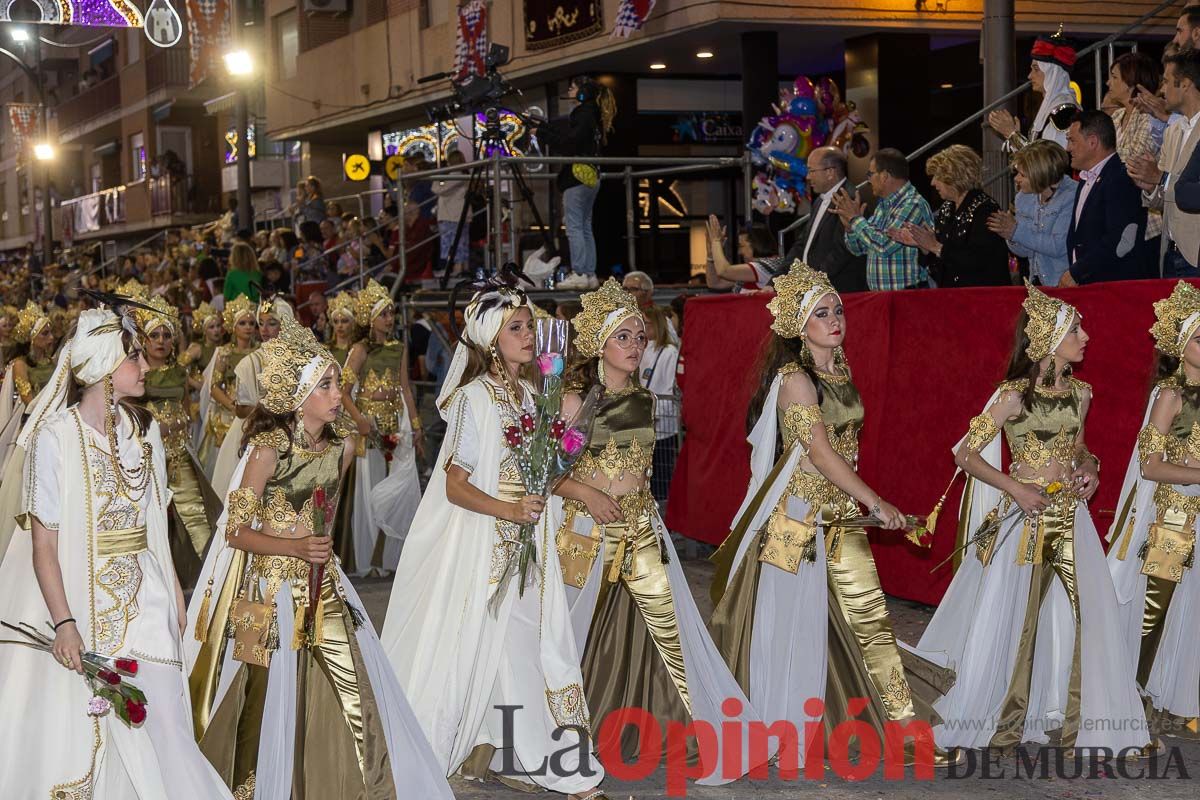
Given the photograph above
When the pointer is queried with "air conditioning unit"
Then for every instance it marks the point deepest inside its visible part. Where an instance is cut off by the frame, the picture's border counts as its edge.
(326, 5)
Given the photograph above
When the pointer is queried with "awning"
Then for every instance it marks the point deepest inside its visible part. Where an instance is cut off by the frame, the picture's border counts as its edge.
(161, 112)
(220, 105)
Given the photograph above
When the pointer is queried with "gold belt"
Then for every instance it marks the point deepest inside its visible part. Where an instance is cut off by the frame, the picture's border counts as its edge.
(123, 542)
(1167, 497)
(384, 412)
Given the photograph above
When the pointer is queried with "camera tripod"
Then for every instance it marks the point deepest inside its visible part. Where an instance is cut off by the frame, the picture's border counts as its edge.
(490, 141)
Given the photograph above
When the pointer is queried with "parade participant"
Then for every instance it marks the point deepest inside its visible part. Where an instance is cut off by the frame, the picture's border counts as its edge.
(1053, 58)
(218, 411)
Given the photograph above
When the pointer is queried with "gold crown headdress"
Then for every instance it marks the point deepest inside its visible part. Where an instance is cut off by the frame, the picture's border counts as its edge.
(293, 363)
(203, 313)
(1049, 322)
(342, 304)
(1176, 319)
(134, 290)
(31, 320)
(603, 311)
(235, 309)
(163, 314)
(370, 302)
(796, 295)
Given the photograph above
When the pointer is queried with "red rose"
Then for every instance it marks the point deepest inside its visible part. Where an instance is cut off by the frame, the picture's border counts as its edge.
(558, 428)
(318, 497)
(127, 665)
(136, 712)
(512, 434)
(528, 423)
(109, 677)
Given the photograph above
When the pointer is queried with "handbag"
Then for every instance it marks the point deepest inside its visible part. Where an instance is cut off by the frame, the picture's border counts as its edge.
(788, 540)
(586, 174)
(253, 627)
(577, 550)
(1168, 552)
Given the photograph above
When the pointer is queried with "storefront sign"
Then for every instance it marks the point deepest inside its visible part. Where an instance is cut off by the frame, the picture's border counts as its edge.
(690, 127)
(554, 23)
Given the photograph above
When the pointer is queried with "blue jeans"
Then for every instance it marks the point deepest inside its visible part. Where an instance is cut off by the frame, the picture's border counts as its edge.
(1176, 266)
(578, 202)
(446, 238)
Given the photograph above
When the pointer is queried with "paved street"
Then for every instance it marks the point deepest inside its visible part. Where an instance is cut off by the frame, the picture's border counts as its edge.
(909, 619)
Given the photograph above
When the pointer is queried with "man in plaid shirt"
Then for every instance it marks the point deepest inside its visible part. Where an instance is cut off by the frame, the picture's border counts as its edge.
(890, 263)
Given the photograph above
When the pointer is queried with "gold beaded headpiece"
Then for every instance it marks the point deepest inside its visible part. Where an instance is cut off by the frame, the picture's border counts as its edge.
(148, 320)
(342, 304)
(235, 309)
(371, 302)
(293, 363)
(31, 320)
(796, 295)
(203, 313)
(1049, 322)
(603, 312)
(1176, 319)
(134, 290)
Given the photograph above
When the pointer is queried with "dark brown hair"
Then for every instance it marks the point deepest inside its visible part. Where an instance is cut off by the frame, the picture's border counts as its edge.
(263, 421)
(778, 353)
(1139, 69)
(1021, 366)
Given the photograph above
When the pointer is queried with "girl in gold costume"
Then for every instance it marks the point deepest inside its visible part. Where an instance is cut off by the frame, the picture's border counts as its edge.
(194, 506)
(643, 640)
(377, 396)
(292, 696)
(342, 321)
(32, 348)
(1153, 539)
(218, 407)
(800, 614)
(1028, 621)
(209, 330)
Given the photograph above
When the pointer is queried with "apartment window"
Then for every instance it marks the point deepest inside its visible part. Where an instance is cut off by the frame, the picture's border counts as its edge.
(133, 49)
(137, 154)
(97, 176)
(287, 44)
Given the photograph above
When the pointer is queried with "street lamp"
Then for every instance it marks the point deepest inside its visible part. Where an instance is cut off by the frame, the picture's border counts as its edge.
(240, 67)
(19, 34)
(43, 151)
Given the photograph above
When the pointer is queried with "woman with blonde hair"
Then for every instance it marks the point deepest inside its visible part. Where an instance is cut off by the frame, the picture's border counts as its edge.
(1045, 197)
(960, 250)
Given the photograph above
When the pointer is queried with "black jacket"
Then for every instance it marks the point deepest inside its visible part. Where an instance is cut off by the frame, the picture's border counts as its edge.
(577, 134)
(971, 254)
(1107, 242)
(847, 272)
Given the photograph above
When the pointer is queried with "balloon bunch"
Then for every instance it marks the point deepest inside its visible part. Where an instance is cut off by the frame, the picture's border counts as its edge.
(807, 116)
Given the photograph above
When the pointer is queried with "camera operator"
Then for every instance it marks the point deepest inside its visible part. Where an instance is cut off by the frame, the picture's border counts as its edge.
(581, 134)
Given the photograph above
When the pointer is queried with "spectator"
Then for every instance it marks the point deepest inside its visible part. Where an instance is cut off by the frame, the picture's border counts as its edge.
(1053, 57)
(420, 191)
(1045, 196)
(756, 252)
(1104, 241)
(419, 332)
(1180, 245)
(452, 195)
(1131, 74)
(310, 263)
(313, 208)
(641, 286)
(276, 279)
(821, 241)
(315, 313)
(657, 374)
(419, 235)
(1187, 28)
(582, 135)
(567, 310)
(890, 264)
(960, 250)
(243, 276)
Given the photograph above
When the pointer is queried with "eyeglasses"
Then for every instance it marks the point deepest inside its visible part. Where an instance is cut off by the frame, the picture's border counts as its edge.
(625, 341)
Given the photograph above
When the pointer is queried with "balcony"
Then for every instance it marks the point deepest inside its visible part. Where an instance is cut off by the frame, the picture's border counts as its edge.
(102, 98)
(147, 204)
(166, 68)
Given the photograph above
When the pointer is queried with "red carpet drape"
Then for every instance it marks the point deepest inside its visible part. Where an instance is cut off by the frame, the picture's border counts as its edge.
(925, 363)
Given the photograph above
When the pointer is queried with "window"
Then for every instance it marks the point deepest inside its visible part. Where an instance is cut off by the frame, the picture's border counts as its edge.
(133, 50)
(137, 155)
(287, 44)
(97, 175)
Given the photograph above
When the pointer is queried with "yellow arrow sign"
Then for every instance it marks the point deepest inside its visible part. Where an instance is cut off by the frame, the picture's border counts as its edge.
(357, 167)
(393, 165)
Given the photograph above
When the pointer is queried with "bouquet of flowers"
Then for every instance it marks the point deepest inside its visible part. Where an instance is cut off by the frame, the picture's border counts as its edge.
(316, 572)
(547, 445)
(106, 677)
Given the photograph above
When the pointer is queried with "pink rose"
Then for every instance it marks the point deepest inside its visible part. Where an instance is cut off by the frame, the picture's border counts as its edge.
(550, 364)
(573, 441)
(98, 706)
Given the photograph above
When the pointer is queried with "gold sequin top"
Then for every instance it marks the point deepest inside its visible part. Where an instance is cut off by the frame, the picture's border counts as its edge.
(227, 380)
(622, 441)
(166, 398)
(1045, 431)
(39, 375)
(841, 412)
(381, 371)
(287, 498)
(1181, 442)
(207, 351)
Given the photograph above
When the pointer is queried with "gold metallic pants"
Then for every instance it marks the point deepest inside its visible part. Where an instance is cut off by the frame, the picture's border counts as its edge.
(189, 500)
(1057, 534)
(1158, 599)
(854, 584)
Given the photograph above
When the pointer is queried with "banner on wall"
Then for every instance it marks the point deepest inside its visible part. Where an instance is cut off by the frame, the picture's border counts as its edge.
(25, 119)
(471, 40)
(95, 13)
(554, 23)
(209, 36)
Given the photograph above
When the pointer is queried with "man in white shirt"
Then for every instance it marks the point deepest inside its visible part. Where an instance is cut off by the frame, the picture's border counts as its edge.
(1180, 247)
(821, 242)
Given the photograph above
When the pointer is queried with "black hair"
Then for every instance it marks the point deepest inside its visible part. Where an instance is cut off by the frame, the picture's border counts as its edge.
(891, 161)
(1187, 65)
(779, 352)
(762, 243)
(1099, 124)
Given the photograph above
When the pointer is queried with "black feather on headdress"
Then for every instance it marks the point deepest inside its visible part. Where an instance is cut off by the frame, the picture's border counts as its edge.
(120, 305)
(505, 281)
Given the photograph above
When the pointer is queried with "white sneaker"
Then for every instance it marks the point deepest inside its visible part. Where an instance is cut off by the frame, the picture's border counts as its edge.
(576, 281)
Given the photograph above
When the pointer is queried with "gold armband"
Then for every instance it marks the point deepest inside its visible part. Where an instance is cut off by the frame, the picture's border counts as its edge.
(184, 359)
(24, 389)
(981, 431)
(1150, 440)
(349, 378)
(799, 421)
(242, 508)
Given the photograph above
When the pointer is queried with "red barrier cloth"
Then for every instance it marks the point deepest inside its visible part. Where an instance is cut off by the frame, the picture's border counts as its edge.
(925, 363)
